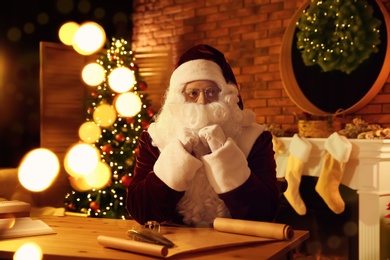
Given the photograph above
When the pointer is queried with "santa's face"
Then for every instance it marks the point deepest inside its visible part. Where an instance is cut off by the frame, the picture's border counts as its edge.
(196, 105)
(201, 92)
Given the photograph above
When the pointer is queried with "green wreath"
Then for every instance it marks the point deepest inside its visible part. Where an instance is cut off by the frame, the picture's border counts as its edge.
(337, 34)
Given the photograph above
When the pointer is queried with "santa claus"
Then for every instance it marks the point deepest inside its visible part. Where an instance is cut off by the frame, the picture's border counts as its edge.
(204, 156)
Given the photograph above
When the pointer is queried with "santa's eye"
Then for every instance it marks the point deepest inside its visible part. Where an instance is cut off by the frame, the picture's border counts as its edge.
(211, 94)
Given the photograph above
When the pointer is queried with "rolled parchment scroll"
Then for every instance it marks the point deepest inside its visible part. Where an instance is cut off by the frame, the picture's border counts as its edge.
(254, 228)
(133, 246)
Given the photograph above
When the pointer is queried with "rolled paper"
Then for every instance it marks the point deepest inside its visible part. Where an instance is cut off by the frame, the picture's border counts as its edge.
(133, 246)
(254, 228)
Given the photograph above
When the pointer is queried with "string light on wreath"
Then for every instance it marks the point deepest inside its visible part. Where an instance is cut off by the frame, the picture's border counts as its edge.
(337, 34)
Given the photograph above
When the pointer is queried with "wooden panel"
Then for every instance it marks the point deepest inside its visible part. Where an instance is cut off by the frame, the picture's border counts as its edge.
(155, 69)
(62, 95)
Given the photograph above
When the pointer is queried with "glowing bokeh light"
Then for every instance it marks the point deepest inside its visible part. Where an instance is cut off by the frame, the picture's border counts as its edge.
(93, 74)
(89, 132)
(79, 184)
(104, 115)
(89, 38)
(128, 104)
(30, 251)
(121, 79)
(81, 159)
(100, 176)
(67, 32)
(38, 169)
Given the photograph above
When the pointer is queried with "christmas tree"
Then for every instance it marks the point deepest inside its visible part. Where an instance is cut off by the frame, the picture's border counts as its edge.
(117, 141)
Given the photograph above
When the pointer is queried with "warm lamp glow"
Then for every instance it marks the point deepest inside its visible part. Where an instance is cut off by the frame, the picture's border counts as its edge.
(38, 169)
(89, 132)
(29, 251)
(104, 115)
(89, 38)
(99, 177)
(128, 104)
(67, 32)
(81, 159)
(93, 74)
(121, 79)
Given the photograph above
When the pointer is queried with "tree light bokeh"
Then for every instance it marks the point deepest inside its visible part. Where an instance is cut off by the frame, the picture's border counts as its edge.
(67, 32)
(104, 115)
(121, 79)
(81, 159)
(128, 104)
(89, 132)
(100, 177)
(89, 38)
(38, 169)
(93, 74)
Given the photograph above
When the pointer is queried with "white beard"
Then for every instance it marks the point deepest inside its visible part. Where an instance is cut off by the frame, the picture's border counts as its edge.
(200, 204)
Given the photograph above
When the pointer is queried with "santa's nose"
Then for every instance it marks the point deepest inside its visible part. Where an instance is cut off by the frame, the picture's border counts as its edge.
(202, 98)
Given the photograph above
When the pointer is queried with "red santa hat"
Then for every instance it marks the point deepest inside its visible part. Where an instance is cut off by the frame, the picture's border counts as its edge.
(203, 62)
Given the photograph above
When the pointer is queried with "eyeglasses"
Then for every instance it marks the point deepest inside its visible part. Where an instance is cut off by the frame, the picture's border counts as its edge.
(192, 94)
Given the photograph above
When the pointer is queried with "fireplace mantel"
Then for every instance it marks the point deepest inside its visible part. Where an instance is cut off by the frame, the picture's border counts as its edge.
(367, 172)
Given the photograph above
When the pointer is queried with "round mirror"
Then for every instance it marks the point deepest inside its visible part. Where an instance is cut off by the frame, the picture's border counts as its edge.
(324, 93)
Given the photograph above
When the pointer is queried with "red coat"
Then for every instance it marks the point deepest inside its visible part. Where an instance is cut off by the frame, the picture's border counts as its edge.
(149, 198)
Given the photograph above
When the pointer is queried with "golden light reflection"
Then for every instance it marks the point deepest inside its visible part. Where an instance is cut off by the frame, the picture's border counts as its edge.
(38, 169)
(30, 251)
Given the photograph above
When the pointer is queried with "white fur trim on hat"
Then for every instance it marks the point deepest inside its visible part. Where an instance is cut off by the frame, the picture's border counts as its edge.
(339, 147)
(193, 70)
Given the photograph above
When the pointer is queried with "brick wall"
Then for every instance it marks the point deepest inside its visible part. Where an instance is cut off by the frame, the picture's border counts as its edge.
(249, 33)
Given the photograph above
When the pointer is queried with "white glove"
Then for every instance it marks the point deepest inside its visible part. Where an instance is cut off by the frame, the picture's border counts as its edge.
(212, 136)
(188, 140)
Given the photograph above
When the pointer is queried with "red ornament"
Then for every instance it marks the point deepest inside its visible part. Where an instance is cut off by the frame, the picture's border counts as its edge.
(94, 94)
(142, 85)
(120, 137)
(145, 124)
(134, 67)
(107, 148)
(130, 120)
(71, 207)
(126, 180)
(90, 110)
(150, 112)
(94, 206)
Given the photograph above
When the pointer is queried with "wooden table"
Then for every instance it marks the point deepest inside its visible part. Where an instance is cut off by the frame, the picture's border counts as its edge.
(76, 238)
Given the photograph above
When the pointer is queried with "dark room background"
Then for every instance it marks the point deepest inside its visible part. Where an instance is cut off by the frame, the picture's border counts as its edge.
(23, 24)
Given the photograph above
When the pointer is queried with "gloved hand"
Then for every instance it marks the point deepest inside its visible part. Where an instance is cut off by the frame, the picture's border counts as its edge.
(212, 136)
(189, 140)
